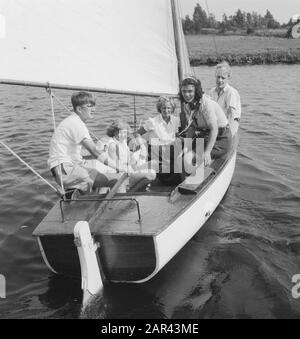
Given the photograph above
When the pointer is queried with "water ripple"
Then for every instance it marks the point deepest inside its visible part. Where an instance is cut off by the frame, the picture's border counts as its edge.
(239, 265)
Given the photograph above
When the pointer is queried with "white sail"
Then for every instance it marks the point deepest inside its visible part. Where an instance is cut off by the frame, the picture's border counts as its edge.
(114, 45)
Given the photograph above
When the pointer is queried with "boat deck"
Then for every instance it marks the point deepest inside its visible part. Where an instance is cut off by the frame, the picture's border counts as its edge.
(119, 217)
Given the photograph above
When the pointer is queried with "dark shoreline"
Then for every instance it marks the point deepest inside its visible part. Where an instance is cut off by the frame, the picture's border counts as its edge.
(242, 50)
(248, 59)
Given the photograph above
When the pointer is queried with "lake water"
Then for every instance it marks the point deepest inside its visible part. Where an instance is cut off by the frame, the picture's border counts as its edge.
(240, 264)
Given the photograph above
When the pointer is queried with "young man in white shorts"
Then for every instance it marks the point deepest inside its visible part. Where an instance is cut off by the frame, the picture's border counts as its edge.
(65, 159)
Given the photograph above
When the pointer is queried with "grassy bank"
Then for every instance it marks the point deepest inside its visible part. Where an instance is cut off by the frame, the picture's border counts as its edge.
(239, 50)
(267, 32)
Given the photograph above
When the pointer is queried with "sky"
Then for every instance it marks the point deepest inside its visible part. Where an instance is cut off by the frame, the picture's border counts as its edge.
(282, 10)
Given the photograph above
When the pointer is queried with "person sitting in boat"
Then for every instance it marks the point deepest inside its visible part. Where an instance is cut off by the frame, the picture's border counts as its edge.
(139, 169)
(65, 160)
(227, 96)
(203, 117)
(162, 128)
(160, 131)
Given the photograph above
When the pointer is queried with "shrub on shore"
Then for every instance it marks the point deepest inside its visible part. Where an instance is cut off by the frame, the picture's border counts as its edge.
(277, 33)
(249, 59)
(239, 50)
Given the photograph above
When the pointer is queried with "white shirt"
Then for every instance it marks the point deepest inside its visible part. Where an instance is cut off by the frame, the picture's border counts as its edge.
(161, 132)
(65, 145)
(123, 151)
(229, 97)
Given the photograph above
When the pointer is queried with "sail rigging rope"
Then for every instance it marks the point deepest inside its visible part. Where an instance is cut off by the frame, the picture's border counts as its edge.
(214, 38)
(31, 169)
(135, 118)
(191, 119)
(49, 91)
(183, 42)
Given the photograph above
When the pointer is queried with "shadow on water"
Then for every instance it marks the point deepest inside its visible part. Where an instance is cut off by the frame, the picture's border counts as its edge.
(124, 301)
(260, 295)
(63, 296)
(167, 294)
(225, 271)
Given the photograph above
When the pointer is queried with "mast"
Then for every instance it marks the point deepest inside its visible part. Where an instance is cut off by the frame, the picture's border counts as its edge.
(182, 56)
(180, 45)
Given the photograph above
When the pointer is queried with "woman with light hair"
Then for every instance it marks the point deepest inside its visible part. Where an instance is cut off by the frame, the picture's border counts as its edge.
(227, 96)
(162, 128)
(160, 132)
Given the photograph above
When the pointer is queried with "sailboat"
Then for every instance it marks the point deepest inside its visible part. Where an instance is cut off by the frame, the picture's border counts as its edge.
(127, 47)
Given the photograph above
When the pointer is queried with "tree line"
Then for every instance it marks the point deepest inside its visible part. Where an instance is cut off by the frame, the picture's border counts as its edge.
(240, 20)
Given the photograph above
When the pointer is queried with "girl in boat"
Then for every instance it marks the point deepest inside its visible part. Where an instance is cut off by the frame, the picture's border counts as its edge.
(203, 118)
(162, 128)
(140, 171)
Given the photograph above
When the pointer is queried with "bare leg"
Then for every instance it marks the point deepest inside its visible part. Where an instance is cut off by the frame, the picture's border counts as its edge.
(143, 175)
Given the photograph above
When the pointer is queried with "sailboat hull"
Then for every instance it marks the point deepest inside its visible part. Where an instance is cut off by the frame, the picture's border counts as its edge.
(169, 242)
(135, 255)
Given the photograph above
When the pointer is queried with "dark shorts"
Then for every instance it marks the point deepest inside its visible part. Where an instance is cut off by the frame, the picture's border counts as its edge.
(222, 144)
(166, 155)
